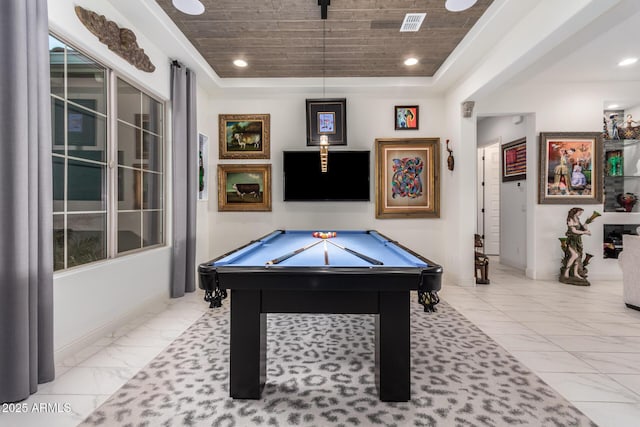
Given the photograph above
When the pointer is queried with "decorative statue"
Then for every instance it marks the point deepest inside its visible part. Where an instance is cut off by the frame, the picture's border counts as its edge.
(613, 119)
(573, 270)
(605, 128)
(614, 163)
(630, 129)
(482, 263)
(627, 201)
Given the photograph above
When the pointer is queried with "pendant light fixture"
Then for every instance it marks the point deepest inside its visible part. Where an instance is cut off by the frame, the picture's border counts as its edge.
(324, 139)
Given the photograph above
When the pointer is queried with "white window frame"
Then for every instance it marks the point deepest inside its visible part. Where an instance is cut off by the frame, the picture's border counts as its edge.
(111, 184)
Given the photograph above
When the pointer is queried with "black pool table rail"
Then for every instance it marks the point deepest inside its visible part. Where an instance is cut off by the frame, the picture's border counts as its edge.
(424, 279)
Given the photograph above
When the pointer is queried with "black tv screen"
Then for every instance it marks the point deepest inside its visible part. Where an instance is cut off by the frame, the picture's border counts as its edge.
(346, 179)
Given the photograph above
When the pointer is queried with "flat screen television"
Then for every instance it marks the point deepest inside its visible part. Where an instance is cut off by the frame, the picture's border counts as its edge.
(346, 179)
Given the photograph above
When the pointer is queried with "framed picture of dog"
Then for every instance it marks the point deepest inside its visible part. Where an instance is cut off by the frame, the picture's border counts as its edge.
(244, 136)
(406, 117)
(408, 178)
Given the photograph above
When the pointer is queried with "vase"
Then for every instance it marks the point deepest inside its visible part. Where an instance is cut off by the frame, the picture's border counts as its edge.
(627, 201)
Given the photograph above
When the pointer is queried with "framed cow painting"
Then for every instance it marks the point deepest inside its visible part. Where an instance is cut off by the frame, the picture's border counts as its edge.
(244, 136)
(244, 187)
(408, 178)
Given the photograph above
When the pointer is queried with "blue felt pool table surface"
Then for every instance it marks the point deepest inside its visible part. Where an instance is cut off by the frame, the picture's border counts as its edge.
(279, 243)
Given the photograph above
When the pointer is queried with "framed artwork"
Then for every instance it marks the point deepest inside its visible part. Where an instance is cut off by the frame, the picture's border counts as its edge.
(327, 117)
(570, 168)
(408, 178)
(203, 169)
(514, 160)
(244, 187)
(406, 117)
(244, 136)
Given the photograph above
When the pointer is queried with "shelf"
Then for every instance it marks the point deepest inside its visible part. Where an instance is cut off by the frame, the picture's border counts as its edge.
(612, 238)
(621, 174)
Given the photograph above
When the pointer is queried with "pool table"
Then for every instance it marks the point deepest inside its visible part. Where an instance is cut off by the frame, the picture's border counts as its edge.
(294, 272)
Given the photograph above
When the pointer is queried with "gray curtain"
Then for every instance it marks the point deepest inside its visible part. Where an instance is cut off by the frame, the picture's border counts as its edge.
(184, 182)
(26, 240)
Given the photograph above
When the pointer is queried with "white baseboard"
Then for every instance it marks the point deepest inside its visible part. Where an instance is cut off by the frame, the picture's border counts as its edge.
(151, 305)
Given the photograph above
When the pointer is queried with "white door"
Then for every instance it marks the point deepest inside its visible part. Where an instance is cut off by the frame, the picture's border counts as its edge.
(489, 197)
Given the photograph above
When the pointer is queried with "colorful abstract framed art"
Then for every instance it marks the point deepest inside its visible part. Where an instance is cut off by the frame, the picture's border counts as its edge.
(408, 178)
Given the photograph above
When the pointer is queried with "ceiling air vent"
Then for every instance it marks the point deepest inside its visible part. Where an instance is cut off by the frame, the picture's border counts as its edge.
(412, 22)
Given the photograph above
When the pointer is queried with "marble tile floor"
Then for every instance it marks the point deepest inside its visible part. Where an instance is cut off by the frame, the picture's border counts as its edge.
(582, 341)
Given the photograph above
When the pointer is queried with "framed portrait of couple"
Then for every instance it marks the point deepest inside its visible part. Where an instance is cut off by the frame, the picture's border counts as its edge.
(570, 168)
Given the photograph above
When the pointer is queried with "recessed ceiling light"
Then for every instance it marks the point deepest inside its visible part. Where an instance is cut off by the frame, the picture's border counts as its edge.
(459, 5)
(240, 63)
(612, 106)
(410, 61)
(627, 61)
(190, 7)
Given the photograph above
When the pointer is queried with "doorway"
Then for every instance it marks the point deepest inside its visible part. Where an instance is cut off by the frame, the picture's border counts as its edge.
(488, 212)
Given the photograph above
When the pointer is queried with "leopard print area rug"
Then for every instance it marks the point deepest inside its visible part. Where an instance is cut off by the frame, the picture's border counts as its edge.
(320, 372)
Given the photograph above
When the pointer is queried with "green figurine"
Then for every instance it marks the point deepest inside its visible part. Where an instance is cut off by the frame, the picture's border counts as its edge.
(615, 165)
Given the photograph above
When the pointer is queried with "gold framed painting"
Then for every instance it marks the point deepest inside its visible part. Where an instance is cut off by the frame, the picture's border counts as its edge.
(244, 187)
(244, 136)
(408, 178)
(570, 168)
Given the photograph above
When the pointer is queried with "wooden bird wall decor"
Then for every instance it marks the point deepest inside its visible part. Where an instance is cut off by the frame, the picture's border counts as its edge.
(122, 41)
(450, 160)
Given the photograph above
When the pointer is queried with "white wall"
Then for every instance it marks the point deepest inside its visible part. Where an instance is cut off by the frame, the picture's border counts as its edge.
(370, 115)
(513, 194)
(565, 107)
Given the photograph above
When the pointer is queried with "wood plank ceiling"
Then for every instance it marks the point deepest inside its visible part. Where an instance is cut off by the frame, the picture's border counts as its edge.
(287, 38)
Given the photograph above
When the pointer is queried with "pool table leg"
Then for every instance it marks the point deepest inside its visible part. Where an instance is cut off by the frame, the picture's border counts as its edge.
(248, 359)
(393, 346)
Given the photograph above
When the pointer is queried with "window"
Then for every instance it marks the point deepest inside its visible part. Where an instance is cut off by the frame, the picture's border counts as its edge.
(99, 211)
(140, 169)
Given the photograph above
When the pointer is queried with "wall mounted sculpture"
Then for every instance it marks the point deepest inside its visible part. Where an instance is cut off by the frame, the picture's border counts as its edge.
(120, 40)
